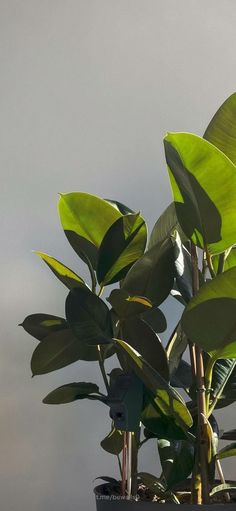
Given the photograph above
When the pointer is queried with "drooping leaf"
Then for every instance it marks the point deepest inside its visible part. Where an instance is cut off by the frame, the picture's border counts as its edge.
(153, 274)
(60, 349)
(88, 317)
(166, 224)
(72, 392)
(222, 129)
(203, 182)
(122, 245)
(223, 488)
(41, 325)
(85, 219)
(62, 272)
(177, 460)
(210, 317)
(143, 339)
(125, 305)
(113, 442)
(229, 435)
(228, 451)
(166, 397)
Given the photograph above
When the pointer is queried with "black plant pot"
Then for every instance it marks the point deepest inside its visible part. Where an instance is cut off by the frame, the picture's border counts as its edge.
(119, 503)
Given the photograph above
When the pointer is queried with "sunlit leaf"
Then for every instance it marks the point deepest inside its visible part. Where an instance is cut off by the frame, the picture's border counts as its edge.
(222, 129)
(85, 219)
(203, 182)
(64, 274)
(125, 305)
(227, 452)
(166, 224)
(122, 245)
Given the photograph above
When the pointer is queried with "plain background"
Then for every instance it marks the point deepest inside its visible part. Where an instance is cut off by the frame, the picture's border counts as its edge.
(88, 89)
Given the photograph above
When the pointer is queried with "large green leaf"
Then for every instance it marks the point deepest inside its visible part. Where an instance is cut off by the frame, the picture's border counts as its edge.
(222, 129)
(122, 208)
(177, 459)
(166, 397)
(41, 325)
(113, 442)
(122, 245)
(72, 392)
(209, 320)
(228, 451)
(64, 274)
(155, 318)
(60, 349)
(166, 224)
(158, 424)
(230, 260)
(204, 187)
(88, 317)
(85, 219)
(153, 274)
(143, 339)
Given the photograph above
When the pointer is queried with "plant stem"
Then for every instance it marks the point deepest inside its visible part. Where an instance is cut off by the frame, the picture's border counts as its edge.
(101, 364)
(209, 262)
(222, 478)
(202, 438)
(100, 291)
(123, 472)
(221, 263)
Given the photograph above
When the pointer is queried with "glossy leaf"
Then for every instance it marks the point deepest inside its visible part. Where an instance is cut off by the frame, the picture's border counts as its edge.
(122, 208)
(41, 325)
(85, 219)
(183, 267)
(152, 275)
(155, 318)
(210, 317)
(64, 274)
(224, 382)
(166, 224)
(175, 348)
(122, 245)
(177, 459)
(222, 129)
(113, 442)
(230, 260)
(143, 339)
(182, 376)
(60, 349)
(88, 317)
(125, 305)
(167, 399)
(158, 424)
(204, 187)
(227, 452)
(72, 392)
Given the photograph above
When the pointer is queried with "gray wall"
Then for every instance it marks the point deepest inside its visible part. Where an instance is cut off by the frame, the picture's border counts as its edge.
(88, 90)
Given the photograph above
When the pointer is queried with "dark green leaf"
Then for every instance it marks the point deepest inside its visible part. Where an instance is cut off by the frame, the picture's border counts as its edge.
(165, 226)
(88, 317)
(224, 382)
(113, 442)
(222, 129)
(229, 435)
(210, 317)
(60, 349)
(155, 318)
(72, 392)
(85, 219)
(62, 272)
(143, 339)
(166, 397)
(157, 423)
(182, 376)
(153, 274)
(42, 325)
(125, 305)
(177, 459)
(122, 208)
(204, 186)
(122, 245)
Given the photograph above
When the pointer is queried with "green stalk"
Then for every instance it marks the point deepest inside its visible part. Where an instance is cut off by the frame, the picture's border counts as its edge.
(101, 365)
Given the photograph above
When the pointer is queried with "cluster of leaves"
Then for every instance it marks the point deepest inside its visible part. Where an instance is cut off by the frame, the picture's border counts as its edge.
(111, 240)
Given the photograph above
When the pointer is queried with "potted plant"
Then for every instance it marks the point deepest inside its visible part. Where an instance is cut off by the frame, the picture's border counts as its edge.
(191, 255)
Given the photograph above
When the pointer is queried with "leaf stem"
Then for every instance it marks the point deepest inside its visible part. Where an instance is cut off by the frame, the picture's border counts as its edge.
(209, 262)
(100, 291)
(101, 364)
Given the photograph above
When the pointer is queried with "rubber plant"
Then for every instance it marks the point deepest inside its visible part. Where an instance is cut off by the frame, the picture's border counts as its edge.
(190, 256)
